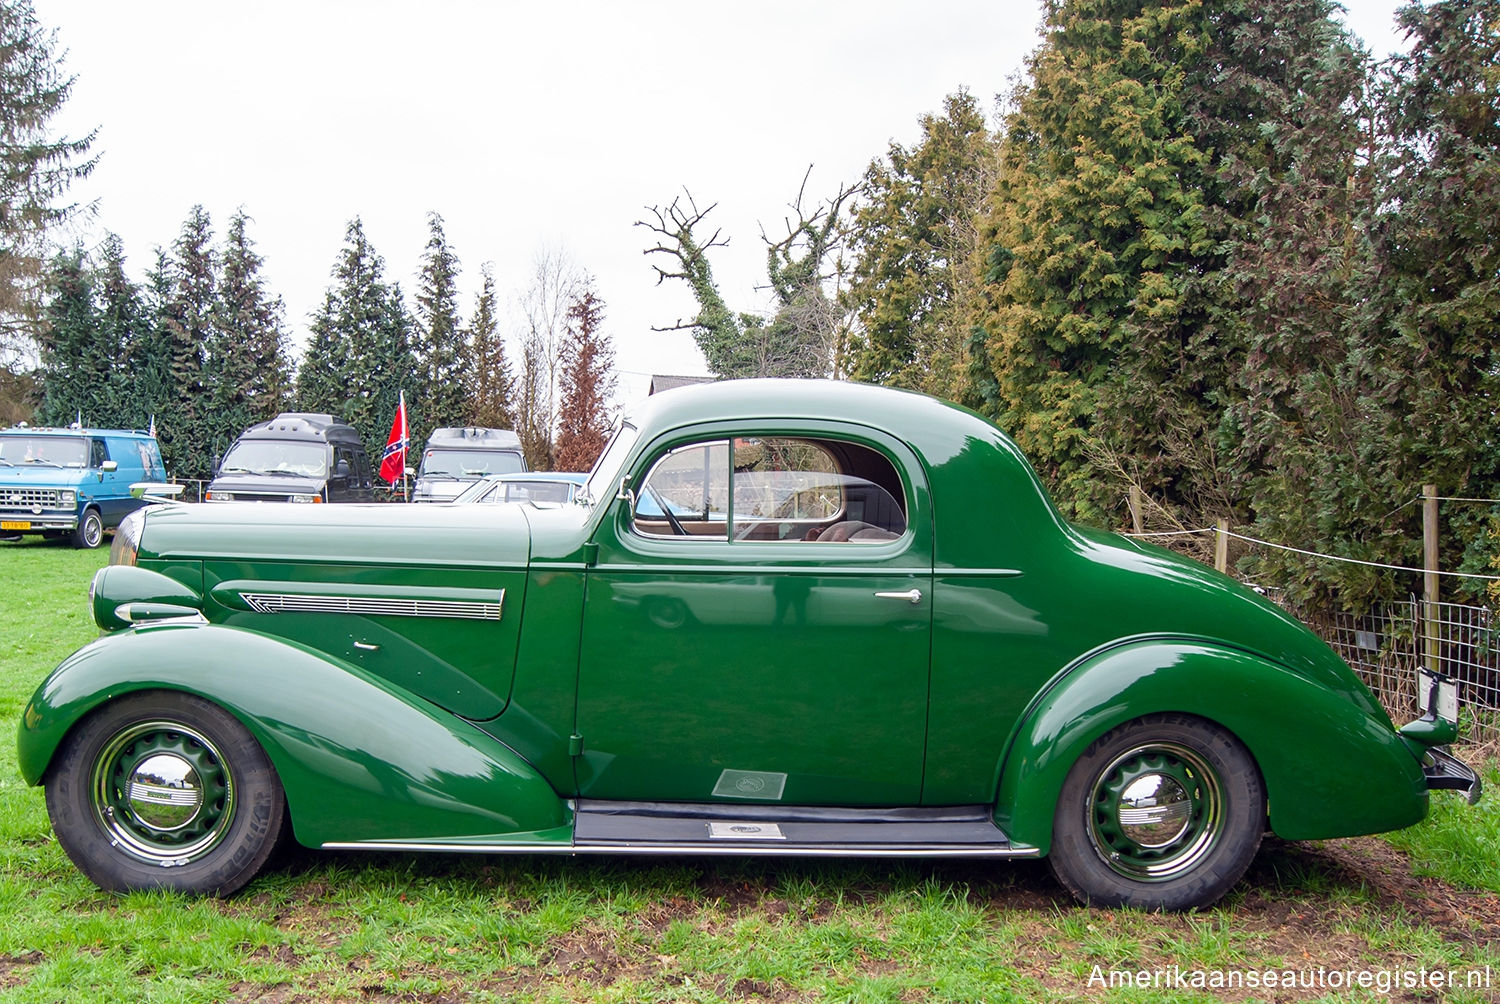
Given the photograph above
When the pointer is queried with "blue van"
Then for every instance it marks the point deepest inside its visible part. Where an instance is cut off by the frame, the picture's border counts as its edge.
(74, 482)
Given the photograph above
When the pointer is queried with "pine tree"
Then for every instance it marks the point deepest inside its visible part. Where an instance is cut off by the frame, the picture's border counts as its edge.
(491, 383)
(360, 356)
(35, 170)
(247, 371)
(913, 235)
(188, 317)
(133, 386)
(440, 349)
(587, 384)
(66, 372)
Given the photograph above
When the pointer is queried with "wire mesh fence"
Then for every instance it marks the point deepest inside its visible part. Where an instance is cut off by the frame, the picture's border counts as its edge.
(1388, 645)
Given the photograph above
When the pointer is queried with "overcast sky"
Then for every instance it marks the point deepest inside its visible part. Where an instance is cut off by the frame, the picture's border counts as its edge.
(527, 127)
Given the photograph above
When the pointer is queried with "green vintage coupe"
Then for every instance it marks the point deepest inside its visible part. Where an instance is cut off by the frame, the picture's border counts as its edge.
(798, 618)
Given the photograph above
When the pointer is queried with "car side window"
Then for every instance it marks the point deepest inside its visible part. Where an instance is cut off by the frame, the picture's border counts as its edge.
(98, 453)
(773, 489)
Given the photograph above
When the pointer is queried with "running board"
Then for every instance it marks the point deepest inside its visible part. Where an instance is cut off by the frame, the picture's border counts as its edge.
(663, 828)
(716, 828)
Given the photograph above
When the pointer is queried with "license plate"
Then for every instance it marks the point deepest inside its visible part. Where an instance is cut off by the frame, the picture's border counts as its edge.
(15, 524)
(1438, 694)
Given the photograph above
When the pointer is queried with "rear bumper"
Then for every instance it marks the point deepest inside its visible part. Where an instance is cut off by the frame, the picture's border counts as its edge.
(1446, 772)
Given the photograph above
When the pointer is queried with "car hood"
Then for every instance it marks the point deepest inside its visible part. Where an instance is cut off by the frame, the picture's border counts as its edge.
(376, 533)
(40, 476)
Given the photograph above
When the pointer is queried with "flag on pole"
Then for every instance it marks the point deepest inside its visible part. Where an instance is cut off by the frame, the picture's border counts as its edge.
(393, 460)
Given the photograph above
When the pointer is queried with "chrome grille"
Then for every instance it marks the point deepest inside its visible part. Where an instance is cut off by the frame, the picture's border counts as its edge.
(28, 497)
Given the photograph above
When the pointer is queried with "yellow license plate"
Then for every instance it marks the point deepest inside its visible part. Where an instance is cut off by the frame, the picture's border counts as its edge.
(15, 524)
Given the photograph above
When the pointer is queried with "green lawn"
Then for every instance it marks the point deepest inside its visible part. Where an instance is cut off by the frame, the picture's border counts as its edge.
(322, 926)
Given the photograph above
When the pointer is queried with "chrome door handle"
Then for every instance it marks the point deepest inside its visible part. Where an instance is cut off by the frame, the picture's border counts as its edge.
(911, 595)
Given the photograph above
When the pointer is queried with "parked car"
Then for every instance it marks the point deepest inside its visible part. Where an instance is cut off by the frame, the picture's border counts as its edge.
(852, 623)
(295, 457)
(531, 486)
(72, 482)
(455, 458)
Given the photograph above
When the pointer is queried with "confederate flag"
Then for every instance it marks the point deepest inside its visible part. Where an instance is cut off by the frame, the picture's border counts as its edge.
(393, 460)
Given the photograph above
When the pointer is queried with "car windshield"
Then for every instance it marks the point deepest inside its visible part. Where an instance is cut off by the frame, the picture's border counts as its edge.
(601, 482)
(470, 463)
(275, 456)
(44, 451)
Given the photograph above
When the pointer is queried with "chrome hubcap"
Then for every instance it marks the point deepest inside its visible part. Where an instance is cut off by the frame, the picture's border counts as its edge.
(162, 793)
(1155, 812)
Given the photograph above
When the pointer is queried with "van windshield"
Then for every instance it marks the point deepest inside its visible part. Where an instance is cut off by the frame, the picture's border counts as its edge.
(44, 451)
(470, 463)
(274, 456)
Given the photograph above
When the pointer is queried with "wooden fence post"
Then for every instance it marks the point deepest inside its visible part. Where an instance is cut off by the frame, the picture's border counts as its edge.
(1430, 613)
(1135, 508)
(1221, 547)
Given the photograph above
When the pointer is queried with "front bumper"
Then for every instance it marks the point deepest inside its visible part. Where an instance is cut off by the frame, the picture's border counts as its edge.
(1446, 772)
(30, 522)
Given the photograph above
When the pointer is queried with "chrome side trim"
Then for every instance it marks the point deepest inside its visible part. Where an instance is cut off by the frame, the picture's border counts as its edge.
(716, 849)
(276, 603)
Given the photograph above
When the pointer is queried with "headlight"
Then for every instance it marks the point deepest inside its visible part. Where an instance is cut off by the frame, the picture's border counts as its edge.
(68, 497)
(219, 496)
(305, 498)
(127, 543)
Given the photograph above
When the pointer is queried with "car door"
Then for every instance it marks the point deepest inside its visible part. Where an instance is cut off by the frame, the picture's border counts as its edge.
(757, 625)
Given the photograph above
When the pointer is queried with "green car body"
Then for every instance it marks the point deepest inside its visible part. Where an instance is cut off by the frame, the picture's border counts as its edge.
(534, 678)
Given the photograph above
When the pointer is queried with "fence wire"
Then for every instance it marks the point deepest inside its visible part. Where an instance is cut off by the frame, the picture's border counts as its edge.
(1388, 645)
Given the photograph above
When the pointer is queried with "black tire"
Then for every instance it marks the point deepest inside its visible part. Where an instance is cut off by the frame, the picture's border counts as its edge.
(1181, 839)
(165, 790)
(90, 530)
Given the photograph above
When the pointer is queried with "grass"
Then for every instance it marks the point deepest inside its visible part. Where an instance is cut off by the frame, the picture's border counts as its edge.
(385, 928)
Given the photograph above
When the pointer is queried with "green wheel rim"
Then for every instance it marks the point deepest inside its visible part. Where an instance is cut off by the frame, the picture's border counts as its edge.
(1156, 811)
(163, 793)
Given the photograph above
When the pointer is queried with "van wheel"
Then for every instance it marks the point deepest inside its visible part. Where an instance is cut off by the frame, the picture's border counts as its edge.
(1163, 813)
(90, 530)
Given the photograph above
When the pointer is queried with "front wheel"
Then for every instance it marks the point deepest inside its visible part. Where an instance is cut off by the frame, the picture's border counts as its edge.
(1163, 813)
(165, 790)
(90, 530)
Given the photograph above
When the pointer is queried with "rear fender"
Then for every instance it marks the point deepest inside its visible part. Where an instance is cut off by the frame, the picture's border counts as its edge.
(359, 758)
(1330, 767)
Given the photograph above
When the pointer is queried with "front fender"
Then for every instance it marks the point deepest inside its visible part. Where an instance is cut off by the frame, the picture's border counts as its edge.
(1331, 768)
(359, 758)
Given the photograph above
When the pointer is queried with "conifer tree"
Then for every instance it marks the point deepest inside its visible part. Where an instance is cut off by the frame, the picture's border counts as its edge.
(133, 386)
(188, 317)
(1438, 287)
(67, 369)
(913, 235)
(440, 349)
(360, 356)
(247, 370)
(489, 402)
(587, 384)
(36, 169)
(1099, 223)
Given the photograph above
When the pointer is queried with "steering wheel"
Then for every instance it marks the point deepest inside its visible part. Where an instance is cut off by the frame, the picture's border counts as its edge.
(678, 530)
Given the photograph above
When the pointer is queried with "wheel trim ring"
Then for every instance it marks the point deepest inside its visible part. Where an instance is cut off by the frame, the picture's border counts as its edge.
(93, 530)
(1187, 850)
(110, 798)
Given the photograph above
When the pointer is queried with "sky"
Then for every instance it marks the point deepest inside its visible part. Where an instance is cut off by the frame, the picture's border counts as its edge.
(531, 129)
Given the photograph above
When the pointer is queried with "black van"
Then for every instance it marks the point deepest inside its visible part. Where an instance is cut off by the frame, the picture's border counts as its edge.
(295, 457)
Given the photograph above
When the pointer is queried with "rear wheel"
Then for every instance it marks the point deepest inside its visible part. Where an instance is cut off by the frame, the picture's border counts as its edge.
(165, 790)
(1163, 813)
